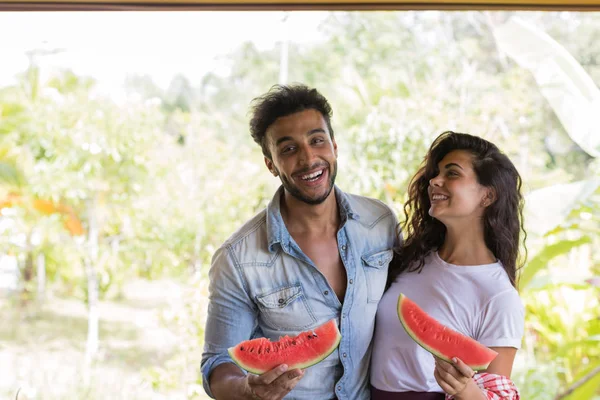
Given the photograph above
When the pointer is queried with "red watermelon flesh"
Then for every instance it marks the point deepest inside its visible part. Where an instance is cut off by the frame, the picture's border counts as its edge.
(308, 348)
(440, 340)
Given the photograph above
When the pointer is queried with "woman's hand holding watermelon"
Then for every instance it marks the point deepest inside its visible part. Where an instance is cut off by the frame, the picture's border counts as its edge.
(274, 384)
(456, 379)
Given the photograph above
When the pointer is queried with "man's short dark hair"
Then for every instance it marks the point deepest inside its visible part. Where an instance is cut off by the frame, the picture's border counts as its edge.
(281, 101)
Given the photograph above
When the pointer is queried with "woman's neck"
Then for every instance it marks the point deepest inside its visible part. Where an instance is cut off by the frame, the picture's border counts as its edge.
(466, 246)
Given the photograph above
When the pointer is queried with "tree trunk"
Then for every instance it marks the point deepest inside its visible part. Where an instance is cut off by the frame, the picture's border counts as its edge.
(27, 271)
(198, 240)
(92, 286)
(41, 277)
(115, 245)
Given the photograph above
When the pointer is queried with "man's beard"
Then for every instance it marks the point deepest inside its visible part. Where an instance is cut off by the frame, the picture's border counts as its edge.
(296, 193)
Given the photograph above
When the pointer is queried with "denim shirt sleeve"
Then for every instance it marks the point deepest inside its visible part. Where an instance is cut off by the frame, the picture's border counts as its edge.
(232, 316)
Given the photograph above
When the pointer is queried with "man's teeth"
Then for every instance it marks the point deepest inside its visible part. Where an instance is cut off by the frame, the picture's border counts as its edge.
(312, 176)
(439, 197)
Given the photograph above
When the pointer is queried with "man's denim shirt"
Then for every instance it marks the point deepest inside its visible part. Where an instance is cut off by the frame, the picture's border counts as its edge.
(263, 285)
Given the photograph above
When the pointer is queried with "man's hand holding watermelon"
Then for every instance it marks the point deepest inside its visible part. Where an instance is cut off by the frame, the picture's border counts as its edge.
(274, 384)
(274, 368)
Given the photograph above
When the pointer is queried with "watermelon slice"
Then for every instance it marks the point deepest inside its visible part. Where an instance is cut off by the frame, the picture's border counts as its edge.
(308, 348)
(440, 340)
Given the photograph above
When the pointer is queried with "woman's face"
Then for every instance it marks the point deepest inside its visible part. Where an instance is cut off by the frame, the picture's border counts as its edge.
(455, 194)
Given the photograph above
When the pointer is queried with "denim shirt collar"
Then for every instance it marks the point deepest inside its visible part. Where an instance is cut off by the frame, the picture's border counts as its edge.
(277, 232)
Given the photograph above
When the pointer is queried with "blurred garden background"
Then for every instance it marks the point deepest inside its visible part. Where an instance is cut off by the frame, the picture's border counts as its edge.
(125, 161)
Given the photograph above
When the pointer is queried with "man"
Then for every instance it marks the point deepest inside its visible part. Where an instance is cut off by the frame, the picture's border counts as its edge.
(315, 253)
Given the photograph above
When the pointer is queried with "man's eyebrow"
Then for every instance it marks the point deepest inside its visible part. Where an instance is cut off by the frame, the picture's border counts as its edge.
(282, 139)
(310, 133)
(316, 130)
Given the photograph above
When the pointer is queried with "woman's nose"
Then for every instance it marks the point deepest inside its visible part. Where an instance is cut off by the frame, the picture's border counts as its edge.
(434, 181)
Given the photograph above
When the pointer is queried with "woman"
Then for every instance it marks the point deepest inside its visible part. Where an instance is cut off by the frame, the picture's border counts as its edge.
(458, 263)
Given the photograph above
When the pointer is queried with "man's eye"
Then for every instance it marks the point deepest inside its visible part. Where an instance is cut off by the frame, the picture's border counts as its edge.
(318, 141)
(287, 149)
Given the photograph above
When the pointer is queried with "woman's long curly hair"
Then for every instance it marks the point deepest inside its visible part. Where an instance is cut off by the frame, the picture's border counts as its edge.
(503, 219)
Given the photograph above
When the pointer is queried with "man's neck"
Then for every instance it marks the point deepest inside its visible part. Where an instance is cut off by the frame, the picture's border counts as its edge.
(302, 218)
(465, 245)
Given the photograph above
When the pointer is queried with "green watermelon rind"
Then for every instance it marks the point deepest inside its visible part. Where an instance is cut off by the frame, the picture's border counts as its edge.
(306, 364)
(433, 351)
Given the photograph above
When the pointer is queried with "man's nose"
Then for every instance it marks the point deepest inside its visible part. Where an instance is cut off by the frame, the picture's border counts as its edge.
(306, 155)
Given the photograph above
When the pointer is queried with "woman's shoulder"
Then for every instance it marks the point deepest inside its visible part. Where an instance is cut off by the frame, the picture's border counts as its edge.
(507, 297)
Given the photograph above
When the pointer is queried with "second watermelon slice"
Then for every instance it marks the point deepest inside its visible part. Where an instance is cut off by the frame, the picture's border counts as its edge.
(439, 340)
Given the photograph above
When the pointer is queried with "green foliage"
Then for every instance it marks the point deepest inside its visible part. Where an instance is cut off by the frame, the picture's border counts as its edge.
(564, 320)
(186, 321)
(537, 380)
(588, 389)
(10, 175)
(165, 175)
(547, 254)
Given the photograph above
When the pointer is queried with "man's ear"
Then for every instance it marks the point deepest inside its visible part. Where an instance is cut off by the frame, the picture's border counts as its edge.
(334, 147)
(269, 164)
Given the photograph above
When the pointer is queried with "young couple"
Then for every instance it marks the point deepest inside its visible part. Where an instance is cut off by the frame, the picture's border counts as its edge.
(317, 253)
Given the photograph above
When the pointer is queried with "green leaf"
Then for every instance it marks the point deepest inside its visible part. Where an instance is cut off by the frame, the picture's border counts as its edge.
(564, 83)
(591, 342)
(589, 389)
(541, 259)
(558, 202)
(549, 283)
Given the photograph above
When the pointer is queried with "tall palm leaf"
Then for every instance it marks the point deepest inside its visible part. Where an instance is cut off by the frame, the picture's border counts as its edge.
(574, 98)
(564, 83)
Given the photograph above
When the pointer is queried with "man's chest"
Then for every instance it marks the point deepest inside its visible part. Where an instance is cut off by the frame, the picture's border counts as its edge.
(325, 256)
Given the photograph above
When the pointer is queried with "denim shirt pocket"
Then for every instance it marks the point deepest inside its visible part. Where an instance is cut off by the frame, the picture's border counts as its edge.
(286, 308)
(376, 273)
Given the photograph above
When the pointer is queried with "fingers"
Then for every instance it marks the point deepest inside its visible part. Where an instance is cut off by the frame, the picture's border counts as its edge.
(443, 384)
(444, 365)
(457, 368)
(450, 376)
(289, 380)
(274, 384)
(295, 374)
(268, 377)
(447, 369)
(463, 368)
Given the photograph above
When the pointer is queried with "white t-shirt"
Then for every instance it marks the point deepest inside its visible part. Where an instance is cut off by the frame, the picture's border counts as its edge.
(478, 301)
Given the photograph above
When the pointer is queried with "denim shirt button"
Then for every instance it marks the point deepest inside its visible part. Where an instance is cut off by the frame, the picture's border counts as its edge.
(345, 355)
(344, 247)
(326, 292)
(351, 281)
(281, 301)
